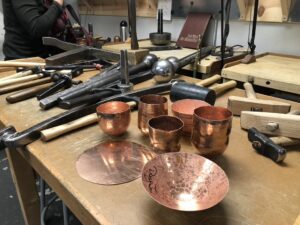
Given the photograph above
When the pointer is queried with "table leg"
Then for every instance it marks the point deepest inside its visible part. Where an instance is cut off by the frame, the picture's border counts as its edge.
(24, 180)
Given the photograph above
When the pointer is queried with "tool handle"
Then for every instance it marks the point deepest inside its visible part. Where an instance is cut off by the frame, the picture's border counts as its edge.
(24, 85)
(285, 141)
(250, 93)
(220, 88)
(17, 75)
(20, 80)
(209, 81)
(54, 132)
(27, 93)
(20, 64)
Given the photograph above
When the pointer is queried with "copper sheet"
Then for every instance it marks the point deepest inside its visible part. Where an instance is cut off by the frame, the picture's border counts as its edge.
(113, 162)
(186, 182)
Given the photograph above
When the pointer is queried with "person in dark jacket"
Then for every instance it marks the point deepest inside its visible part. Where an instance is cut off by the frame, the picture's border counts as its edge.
(25, 23)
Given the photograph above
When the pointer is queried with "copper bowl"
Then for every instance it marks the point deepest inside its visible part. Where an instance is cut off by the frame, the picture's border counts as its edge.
(184, 109)
(185, 182)
(114, 117)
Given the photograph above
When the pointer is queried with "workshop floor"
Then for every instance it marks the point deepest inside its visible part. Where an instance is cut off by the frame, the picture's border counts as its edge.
(10, 212)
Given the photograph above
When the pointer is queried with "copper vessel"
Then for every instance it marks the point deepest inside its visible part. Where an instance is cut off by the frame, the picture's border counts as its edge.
(165, 133)
(211, 130)
(185, 182)
(150, 106)
(113, 162)
(114, 117)
(184, 109)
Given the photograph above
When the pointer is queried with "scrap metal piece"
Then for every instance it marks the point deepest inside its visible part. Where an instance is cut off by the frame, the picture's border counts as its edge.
(113, 162)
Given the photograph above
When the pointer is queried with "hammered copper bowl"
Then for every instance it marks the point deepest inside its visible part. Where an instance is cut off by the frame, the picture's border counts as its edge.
(114, 117)
(184, 109)
(185, 182)
(211, 130)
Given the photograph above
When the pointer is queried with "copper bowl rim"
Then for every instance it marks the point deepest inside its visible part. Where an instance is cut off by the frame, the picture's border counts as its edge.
(195, 155)
(213, 120)
(164, 99)
(99, 107)
(166, 116)
(184, 101)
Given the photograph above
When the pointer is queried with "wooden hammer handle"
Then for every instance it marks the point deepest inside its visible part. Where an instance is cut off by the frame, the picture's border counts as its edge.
(16, 75)
(250, 93)
(209, 81)
(20, 64)
(20, 80)
(220, 88)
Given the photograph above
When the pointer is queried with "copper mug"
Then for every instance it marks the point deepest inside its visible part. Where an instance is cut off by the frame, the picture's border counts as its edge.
(114, 117)
(150, 106)
(211, 130)
(165, 133)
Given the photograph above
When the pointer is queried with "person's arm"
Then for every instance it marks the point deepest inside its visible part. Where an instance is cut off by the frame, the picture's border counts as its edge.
(30, 18)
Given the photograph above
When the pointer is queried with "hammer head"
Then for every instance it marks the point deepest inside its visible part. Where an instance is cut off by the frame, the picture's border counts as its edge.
(182, 90)
(4, 133)
(265, 146)
(238, 104)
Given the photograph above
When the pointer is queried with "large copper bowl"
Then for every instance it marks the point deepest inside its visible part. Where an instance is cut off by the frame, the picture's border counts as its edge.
(184, 109)
(185, 182)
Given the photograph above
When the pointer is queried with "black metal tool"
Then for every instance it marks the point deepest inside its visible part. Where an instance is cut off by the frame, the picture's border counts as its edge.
(160, 37)
(265, 146)
(99, 81)
(103, 92)
(12, 139)
(132, 24)
(62, 81)
(75, 52)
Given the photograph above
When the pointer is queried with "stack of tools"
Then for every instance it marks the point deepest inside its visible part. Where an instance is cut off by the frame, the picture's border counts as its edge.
(261, 117)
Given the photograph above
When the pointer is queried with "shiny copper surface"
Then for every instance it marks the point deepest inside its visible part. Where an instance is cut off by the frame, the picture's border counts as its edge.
(165, 133)
(150, 106)
(186, 182)
(184, 109)
(211, 130)
(114, 117)
(113, 162)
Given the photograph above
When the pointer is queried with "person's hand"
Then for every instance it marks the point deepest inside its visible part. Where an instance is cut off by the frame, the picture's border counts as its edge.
(60, 2)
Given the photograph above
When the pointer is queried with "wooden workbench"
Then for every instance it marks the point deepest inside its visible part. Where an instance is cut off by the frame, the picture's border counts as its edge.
(261, 191)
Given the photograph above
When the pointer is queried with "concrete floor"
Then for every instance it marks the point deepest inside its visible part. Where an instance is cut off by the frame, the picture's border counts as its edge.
(10, 212)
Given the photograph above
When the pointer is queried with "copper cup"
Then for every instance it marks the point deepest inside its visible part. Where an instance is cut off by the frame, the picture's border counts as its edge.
(211, 130)
(165, 133)
(150, 106)
(114, 117)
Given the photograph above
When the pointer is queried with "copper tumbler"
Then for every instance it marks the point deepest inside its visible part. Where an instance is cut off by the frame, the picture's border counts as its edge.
(114, 117)
(211, 130)
(150, 106)
(165, 132)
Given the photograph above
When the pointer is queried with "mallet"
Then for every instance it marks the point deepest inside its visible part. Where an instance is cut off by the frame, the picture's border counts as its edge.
(251, 103)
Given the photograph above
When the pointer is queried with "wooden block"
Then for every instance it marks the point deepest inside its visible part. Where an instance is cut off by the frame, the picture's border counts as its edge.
(136, 56)
(287, 124)
(238, 104)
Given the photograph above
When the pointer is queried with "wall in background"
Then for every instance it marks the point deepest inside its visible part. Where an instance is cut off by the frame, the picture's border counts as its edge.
(270, 37)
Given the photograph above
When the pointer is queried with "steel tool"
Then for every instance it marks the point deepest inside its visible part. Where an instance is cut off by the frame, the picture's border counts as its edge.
(76, 52)
(24, 73)
(132, 24)
(238, 104)
(123, 30)
(101, 80)
(182, 90)
(12, 139)
(160, 37)
(164, 70)
(125, 84)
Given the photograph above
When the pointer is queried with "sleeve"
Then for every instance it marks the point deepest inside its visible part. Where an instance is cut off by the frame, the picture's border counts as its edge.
(29, 15)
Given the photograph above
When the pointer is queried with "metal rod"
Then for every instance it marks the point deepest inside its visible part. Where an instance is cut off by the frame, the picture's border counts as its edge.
(124, 67)
(160, 21)
(65, 214)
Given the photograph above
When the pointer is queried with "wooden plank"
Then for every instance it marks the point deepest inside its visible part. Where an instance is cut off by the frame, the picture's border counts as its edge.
(270, 70)
(288, 125)
(144, 8)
